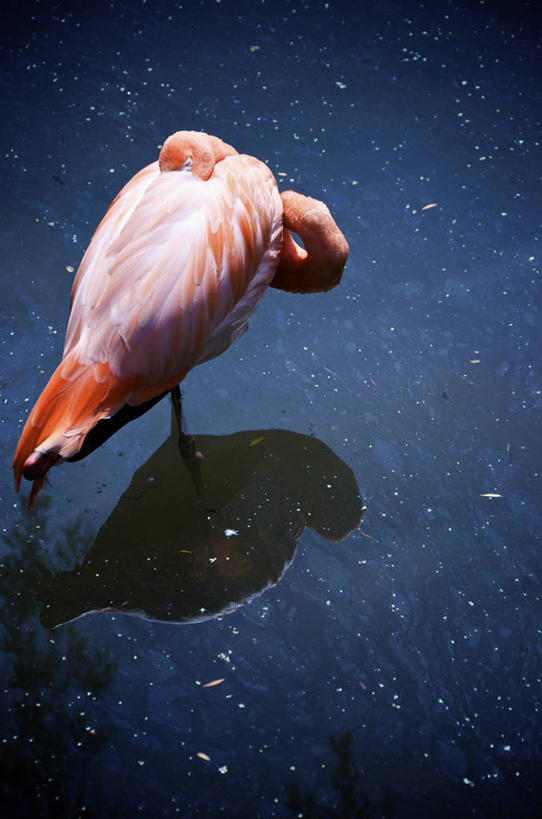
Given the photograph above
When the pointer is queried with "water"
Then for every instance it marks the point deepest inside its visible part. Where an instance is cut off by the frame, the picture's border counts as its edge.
(391, 665)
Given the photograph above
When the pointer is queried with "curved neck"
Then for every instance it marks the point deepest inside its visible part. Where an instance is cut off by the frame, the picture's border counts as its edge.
(319, 266)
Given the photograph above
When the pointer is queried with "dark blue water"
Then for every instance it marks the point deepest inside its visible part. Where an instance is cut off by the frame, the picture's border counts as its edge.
(384, 668)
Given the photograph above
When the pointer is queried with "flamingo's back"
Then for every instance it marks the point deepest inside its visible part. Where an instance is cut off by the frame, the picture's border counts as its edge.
(170, 279)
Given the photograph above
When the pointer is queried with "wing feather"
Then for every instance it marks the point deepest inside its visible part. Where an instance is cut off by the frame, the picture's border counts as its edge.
(175, 270)
(170, 279)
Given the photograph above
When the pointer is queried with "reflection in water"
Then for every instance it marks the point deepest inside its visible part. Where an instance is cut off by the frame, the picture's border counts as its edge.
(166, 555)
(346, 799)
(45, 737)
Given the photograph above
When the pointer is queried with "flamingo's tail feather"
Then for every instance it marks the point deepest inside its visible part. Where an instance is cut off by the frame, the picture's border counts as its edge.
(72, 403)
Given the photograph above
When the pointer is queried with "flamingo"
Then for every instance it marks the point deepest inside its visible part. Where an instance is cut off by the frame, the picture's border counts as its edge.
(171, 277)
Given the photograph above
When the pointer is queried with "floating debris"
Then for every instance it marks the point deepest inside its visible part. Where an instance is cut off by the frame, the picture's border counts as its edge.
(214, 682)
(256, 440)
(203, 756)
(490, 495)
(430, 205)
(332, 372)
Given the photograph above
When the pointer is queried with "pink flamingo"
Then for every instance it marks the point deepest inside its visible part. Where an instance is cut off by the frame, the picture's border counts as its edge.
(171, 277)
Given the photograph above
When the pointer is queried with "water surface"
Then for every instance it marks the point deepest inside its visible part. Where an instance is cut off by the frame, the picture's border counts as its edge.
(391, 665)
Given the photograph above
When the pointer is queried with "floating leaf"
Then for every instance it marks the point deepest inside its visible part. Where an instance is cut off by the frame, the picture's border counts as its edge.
(490, 495)
(254, 48)
(214, 682)
(430, 205)
(256, 440)
(203, 756)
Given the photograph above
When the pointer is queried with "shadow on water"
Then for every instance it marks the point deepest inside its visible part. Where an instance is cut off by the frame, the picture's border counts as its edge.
(162, 555)
(46, 729)
(165, 555)
(345, 799)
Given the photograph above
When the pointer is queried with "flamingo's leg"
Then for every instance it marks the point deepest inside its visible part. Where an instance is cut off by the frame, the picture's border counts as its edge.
(188, 449)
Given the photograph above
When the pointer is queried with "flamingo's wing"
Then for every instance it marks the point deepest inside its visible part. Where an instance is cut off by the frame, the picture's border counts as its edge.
(175, 270)
(170, 279)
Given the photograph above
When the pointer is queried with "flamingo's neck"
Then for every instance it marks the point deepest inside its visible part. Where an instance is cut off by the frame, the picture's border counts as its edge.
(319, 266)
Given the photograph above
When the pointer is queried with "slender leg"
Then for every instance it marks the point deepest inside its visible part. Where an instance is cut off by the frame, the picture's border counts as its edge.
(187, 443)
